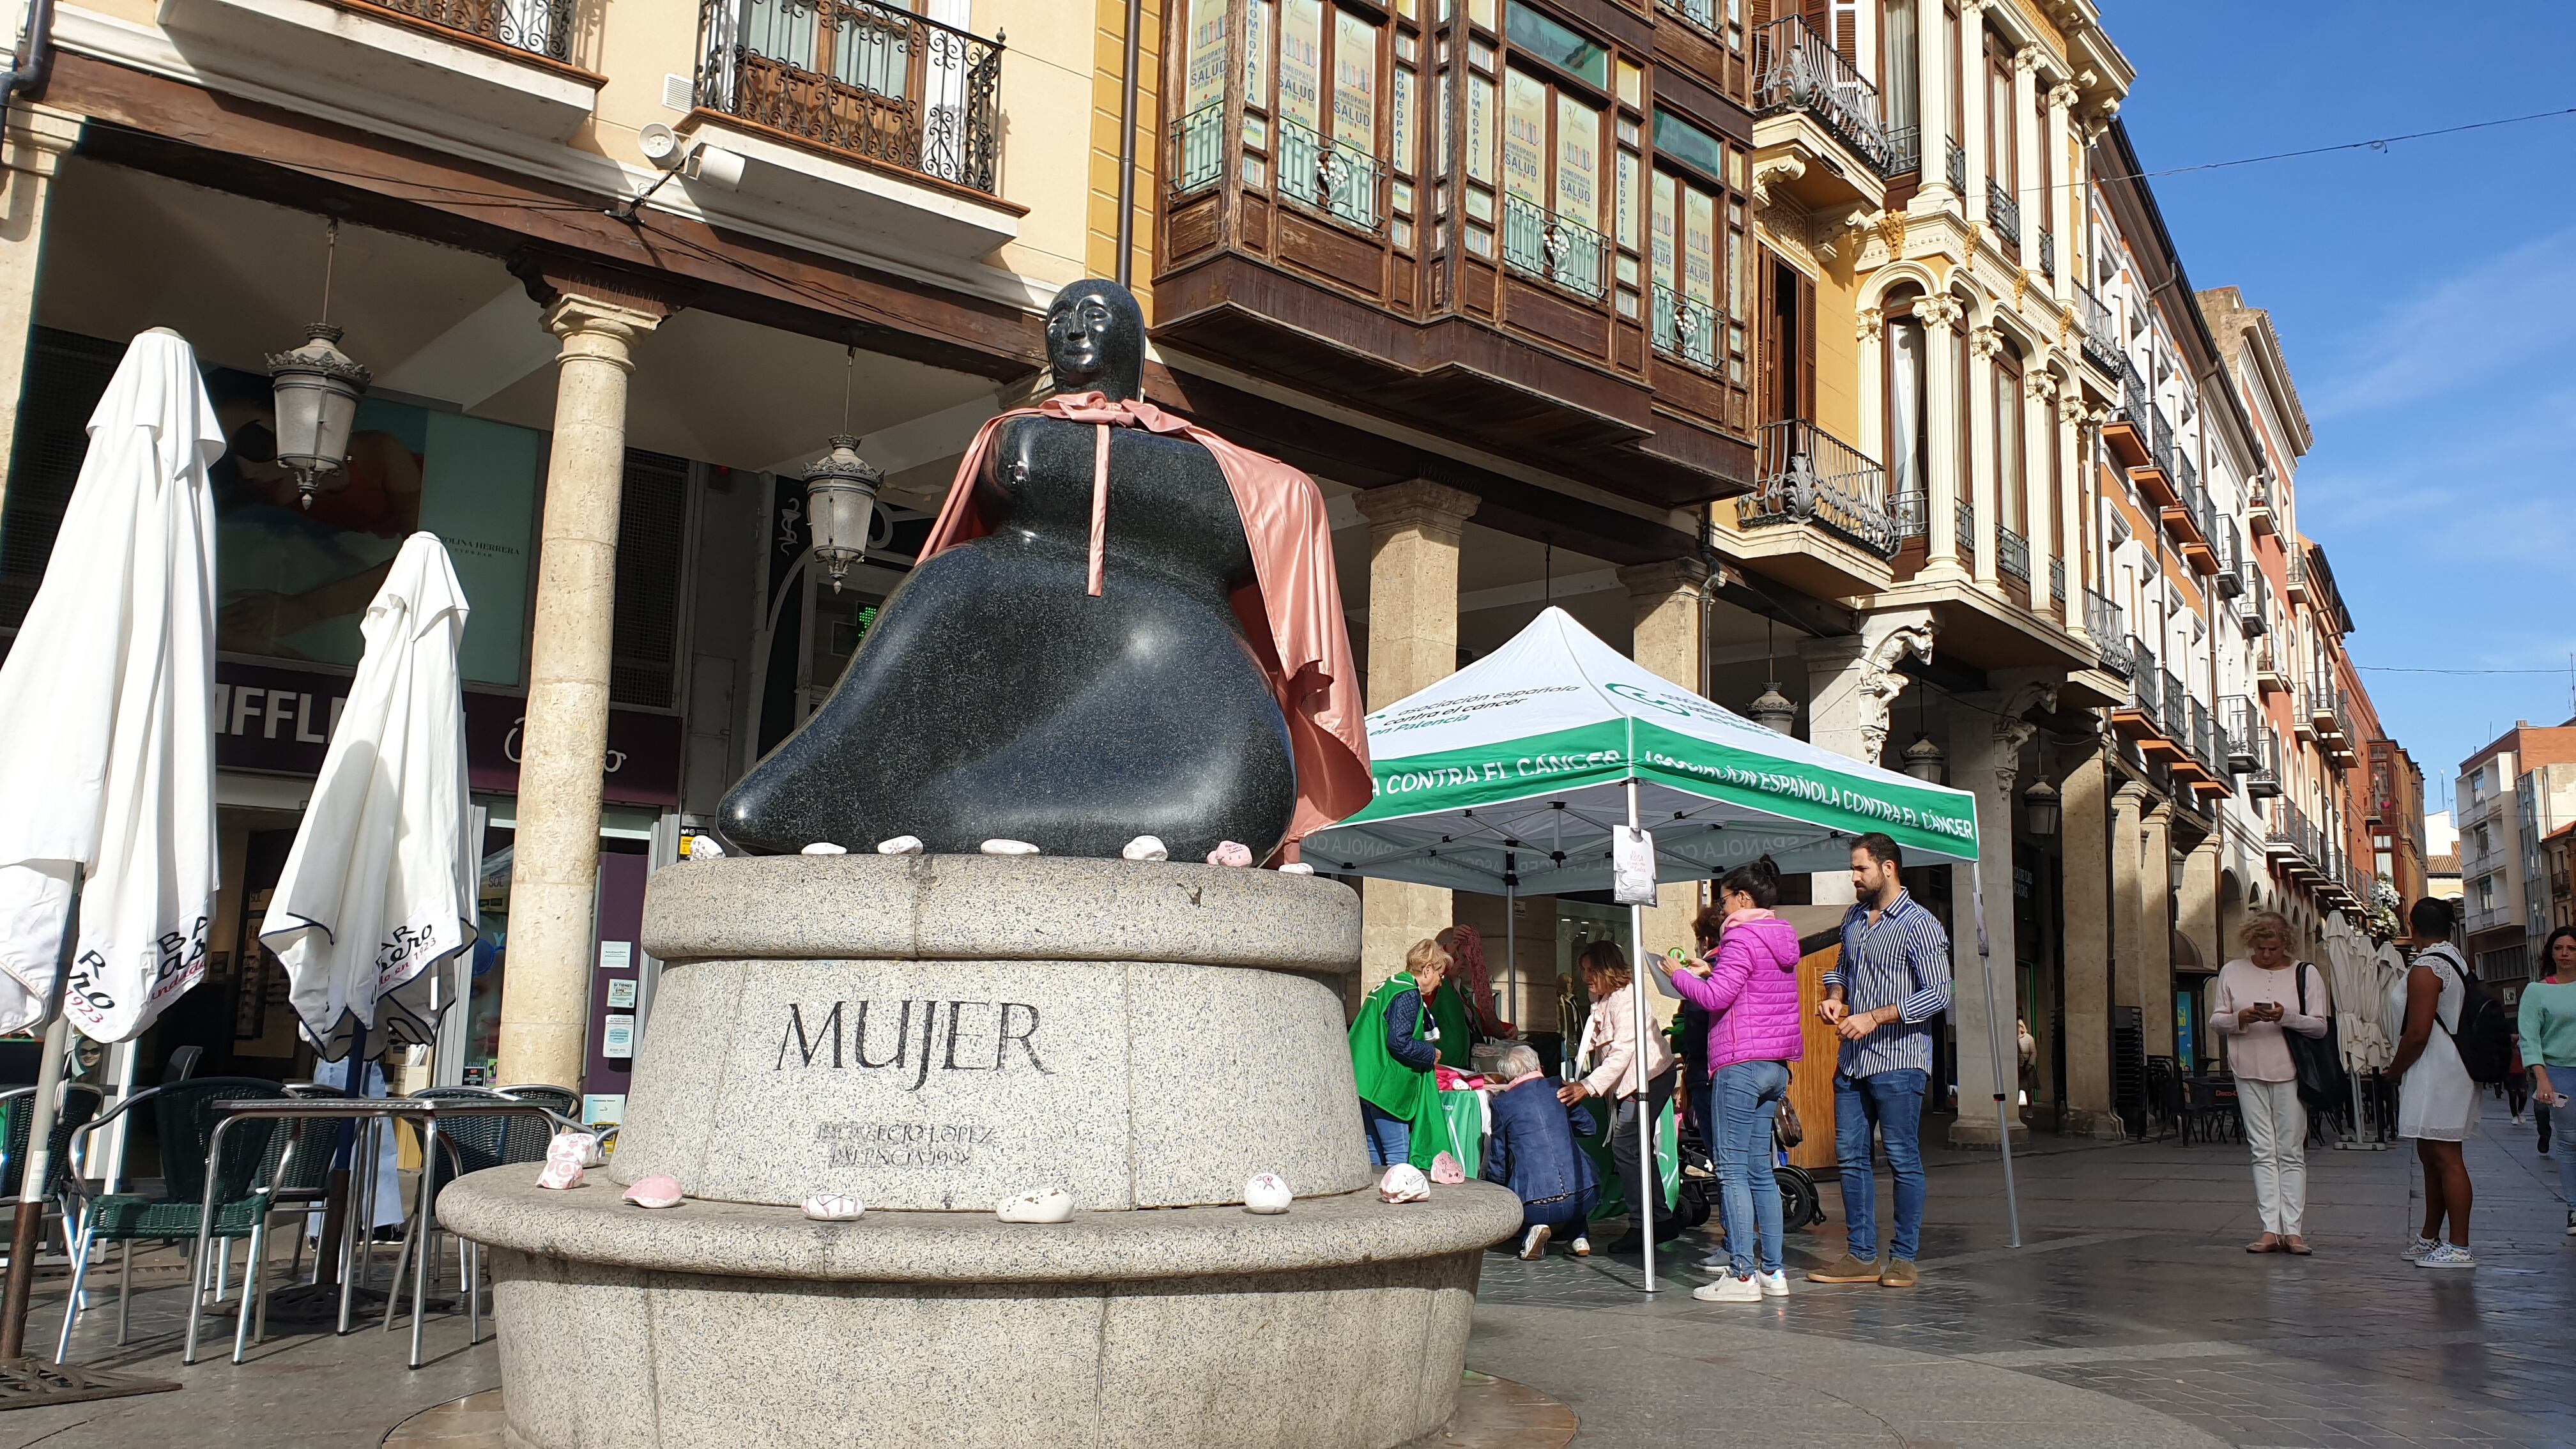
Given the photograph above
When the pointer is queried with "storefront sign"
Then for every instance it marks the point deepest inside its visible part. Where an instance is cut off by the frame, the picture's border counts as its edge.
(278, 720)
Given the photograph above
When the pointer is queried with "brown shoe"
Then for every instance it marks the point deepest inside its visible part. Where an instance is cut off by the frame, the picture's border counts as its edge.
(1846, 1269)
(1900, 1274)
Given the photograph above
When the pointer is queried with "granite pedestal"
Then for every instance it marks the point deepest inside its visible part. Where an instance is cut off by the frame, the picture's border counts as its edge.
(932, 1034)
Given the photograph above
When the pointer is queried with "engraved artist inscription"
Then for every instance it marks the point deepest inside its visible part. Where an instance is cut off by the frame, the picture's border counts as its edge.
(904, 1144)
(912, 1037)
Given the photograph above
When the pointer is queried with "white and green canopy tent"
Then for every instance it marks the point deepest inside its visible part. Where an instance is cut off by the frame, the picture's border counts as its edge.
(1513, 774)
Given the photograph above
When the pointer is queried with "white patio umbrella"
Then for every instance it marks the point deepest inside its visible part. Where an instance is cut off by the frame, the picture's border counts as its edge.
(379, 887)
(107, 786)
(1513, 773)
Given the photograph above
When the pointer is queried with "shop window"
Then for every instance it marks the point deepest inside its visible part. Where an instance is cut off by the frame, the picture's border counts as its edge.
(652, 535)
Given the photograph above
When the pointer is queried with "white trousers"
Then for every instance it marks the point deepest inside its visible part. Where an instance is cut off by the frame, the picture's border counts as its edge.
(2276, 1127)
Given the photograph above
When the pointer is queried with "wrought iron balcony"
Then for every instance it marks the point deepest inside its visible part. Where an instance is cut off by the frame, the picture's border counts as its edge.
(1904, 149)
(1797, 69)
(2161, 440)
(2101, 334)
(2146, 685)
(1340, 181)
(2048, 253)
(2204, 742)
(1198, 149)
(1912, 511)
(2107, 622)
(1701, 13)
(2244, 722)
(1686, 328)
(2176, 701)
(2012, 553)
(1808, 475)
(1958, 170)
(2004, 210)
(2231, 557)
(1965, 519)
(539, 27)
(2057, 580)
(856, 76)
(1539, 243)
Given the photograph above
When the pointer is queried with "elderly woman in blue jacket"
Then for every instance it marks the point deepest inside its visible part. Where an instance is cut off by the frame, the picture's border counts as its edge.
(1534, 1153)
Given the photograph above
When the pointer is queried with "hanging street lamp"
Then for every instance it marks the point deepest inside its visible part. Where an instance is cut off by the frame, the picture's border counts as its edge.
(1772, 710)
(840, 506)
(2040, 809)
(1925, 760)
(316, 389)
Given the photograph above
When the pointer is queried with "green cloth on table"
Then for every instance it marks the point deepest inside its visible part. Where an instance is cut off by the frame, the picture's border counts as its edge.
(1466, 1114)
(1668, 1160)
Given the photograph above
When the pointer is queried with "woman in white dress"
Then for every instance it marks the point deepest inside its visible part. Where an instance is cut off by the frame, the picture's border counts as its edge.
(2436, 1101)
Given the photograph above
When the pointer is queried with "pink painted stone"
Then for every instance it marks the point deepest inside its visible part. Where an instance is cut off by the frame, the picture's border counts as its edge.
(656, 1191)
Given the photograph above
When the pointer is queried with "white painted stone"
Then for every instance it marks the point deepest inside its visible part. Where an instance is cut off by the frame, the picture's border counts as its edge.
(1052, 1205)
(900, 845)
(1296, 867)
(1008, 847)
(834, 1207)
(1146, 847)
(825, 847)
(1404, 1182)
(1266, 1193)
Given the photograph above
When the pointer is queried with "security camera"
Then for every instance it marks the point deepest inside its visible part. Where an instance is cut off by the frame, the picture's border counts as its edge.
(691, 156)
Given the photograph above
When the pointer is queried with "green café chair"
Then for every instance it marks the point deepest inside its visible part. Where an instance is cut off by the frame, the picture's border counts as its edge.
(185, 1112)
(78, 1103)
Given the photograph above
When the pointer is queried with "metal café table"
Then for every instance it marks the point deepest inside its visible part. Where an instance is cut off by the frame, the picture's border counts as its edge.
(371, 1115)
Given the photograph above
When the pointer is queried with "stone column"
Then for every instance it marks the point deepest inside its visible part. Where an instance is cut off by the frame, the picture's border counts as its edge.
(2037, 438)
(2155, 926)
(1972, 86)
(1983, 344)
(36, 140)
(545, 1005)
(1852, 688)
(1941, 383)
(2035, 201)
(1987, 740)
(1414, 530)
(2196, 915)
(2084, 834)
(2129, 801)
(1935, 57)
(2074, 504)
(1668, 599)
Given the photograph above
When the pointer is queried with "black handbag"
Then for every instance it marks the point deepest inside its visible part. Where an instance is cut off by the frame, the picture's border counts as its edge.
(2319, 1064)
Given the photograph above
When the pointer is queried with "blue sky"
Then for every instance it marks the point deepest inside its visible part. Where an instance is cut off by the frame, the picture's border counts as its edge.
(2417, 293)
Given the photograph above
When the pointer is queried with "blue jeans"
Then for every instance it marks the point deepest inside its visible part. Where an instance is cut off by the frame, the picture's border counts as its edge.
(1892, 1102)
(1390, 1139)
(2563, 1079)
(1748, 1096)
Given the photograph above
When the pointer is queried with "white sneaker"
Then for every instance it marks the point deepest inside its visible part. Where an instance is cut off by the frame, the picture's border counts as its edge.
(1717, 1262)
(1534, 1246)
(2416, 1250)
(1729, 1289)
(2447, 1255)
(1776, 1285)
(1582, 1247)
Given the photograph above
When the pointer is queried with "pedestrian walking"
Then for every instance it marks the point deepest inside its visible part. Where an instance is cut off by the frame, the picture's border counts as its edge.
(1750, 990)
(2517, 1083)
(2548, 1041)
(1632, 1078)
(2436, 1100)
(1534, 1153)
(1394, 1046)
(1892, 979)
(2259, 997)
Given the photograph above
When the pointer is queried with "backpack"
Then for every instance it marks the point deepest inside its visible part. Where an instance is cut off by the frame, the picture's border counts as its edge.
(2484, 1032)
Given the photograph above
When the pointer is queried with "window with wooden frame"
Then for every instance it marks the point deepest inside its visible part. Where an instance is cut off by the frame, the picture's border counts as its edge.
(1541, 167)
(1699, 252)
(2003, 150)
(1900, 64)
(1322, 103)
(1906, 422)
(1788, 330)
(1955, 138)
(2011, 459)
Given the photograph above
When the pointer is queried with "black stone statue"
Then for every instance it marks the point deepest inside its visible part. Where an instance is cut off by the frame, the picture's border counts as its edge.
(996, 697)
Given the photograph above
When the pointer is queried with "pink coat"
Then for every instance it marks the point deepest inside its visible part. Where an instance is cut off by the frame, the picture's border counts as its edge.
(1751, 993)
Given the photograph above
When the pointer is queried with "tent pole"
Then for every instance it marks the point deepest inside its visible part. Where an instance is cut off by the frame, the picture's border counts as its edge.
(1995, 1047)
(1511, 956)
(1649, 1181)
(40, 1139)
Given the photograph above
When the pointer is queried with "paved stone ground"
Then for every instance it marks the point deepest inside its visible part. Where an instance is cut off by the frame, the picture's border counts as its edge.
(2130, 1317)
(2132, 1286)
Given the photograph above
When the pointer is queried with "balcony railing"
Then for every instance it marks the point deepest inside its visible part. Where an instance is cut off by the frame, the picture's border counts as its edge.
(1912, 512)
(2162, 440)
(1686, 328)
(1808, 475)
(858, 77)
(1958, 172)
(2012, 553)
(2004, 210)
(1335, 179)
(539, 27)
(2057, 580)
(2244, 726)
(1702, 13)
(1797, 69)
(1540, 243)
(2146, 687)
(2107, 622)
(1198, 149)
(1904, 149)
(2204, 743)
(2101, 334)
(1964, 517)
(2048, 253)
(2176, 702)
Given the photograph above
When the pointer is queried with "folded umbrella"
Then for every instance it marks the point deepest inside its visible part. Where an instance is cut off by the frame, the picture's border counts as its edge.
(379, 887)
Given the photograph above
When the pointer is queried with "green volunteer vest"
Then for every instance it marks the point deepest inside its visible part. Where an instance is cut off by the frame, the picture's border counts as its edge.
(1391, 1086)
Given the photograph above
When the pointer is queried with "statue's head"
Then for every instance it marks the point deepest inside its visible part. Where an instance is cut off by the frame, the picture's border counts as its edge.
(1096, 340)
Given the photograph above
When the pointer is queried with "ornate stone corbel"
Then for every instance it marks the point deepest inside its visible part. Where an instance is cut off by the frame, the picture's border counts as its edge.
(2039, 386)
(1891, 229)
(2027, 58)
(2021, 287)
(1778, 168)
(1937, 311)
(1985, 342)
(1871, 324)
(1882, 681)
(2012, 732)
(2061, 96)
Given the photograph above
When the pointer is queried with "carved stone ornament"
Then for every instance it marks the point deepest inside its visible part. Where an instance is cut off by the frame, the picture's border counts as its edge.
(2012, 731)
(1882, 682)
(2040, 386)
(1937, 311)
(2061, 97)
(2021, 288)
(1891, 229)
(1778, 168)
(1985, 342)
(1872, 323)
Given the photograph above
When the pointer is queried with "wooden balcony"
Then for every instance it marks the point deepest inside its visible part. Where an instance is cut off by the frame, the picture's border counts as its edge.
(1327, 268)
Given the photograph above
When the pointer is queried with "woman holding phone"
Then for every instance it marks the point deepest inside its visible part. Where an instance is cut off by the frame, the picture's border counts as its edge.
(2260, 995)
(2548, 1025)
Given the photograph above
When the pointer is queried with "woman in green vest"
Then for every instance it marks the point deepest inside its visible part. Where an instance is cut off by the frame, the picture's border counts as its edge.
(1394, 1046)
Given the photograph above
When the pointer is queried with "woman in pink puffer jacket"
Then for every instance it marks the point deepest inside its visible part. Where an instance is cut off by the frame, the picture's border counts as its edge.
(1749, 987)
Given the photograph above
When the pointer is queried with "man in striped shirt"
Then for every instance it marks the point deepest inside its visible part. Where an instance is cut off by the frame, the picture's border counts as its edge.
(1881, 997)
